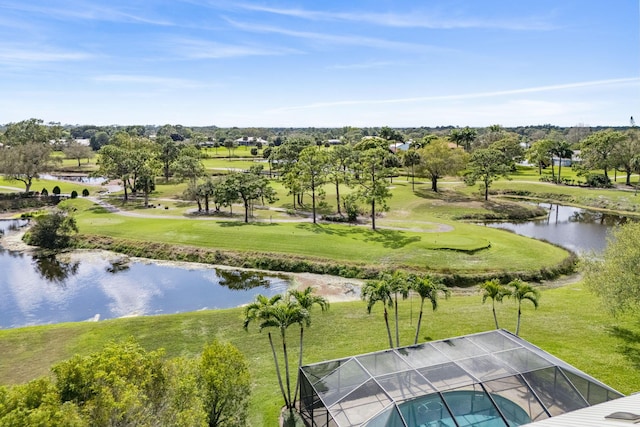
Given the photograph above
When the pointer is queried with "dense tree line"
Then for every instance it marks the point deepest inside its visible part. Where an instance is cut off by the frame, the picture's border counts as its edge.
(362, 160)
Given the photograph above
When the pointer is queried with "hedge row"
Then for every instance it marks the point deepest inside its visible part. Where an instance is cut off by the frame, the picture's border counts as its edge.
(293, 264)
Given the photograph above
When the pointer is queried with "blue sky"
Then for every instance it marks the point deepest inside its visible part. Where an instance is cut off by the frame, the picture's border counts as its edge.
(323, 63)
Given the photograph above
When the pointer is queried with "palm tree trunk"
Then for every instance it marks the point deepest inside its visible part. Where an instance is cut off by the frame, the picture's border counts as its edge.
(386, 321)
(495, 318)
(419, 322)
(560, 170)
(275, 359)
(518, 324)
(286, 369)
(396, 316)
(295, 394)
(338, 197)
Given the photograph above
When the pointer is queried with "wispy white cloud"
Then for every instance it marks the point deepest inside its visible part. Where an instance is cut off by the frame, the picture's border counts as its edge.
(363, 65)
(337, 39)
(203, 49)
(415, 19)
(87, 11)
(550, 88)
(168, 82)
(16, 55)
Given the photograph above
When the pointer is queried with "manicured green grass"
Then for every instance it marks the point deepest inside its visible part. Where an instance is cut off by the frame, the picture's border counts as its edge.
(497, 250)
(569, 324)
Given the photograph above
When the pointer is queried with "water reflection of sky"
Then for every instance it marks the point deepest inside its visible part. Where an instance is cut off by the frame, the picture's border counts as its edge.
(26, 298)
(576, 229)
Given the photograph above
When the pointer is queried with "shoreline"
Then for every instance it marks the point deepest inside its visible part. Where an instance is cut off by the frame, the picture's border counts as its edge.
(334, 288)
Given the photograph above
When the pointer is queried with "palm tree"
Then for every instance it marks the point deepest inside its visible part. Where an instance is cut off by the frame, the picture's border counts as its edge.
(379, 290)
(276, 312)
(494, 290)
(398, 284)
(305, 299)
(523, 291)
(563, 150)
(427, 288)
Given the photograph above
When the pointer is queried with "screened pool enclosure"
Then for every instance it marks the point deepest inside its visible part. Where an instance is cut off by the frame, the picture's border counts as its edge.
(491, 379)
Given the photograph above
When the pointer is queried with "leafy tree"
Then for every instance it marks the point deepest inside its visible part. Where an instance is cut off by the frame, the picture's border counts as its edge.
(188, 165)
(206, 190)
(37, 404)
(540, 154)
(375, 291)
(437, 160)
(464, 137)
(99, 140)
(52, 231)
(627, 153)
(510, 147)
(250, 187)
(486, 164)
(31, 131)
(25, 162)
(370, 177)
(615, 276)
(75, 150)
(225, 385)
(597, 150)
(169, 152)
(523, 292)
(340, 159)
(121, 384)
(492, 289)
(428, 289)
(312, 169)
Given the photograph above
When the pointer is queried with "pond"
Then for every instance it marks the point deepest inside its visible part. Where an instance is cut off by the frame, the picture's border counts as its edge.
(576, 229)
(101, 285)
(84, 179)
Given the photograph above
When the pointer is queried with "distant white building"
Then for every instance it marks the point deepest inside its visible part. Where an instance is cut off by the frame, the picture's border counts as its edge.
(250, 140)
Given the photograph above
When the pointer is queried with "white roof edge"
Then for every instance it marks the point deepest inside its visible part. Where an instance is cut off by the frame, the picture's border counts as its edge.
(594, 416)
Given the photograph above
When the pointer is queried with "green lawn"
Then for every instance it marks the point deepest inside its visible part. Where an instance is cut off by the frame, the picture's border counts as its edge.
(569, 323)
(497, 250)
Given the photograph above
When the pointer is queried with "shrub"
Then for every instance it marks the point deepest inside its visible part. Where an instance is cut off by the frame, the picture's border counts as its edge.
(44, 192)
(56, 190)
(85, 193)
(74, 194)
(52, 231)
(598, 181)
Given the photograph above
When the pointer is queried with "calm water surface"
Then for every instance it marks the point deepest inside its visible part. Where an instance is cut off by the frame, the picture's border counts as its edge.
(96, 286)
(579, 230)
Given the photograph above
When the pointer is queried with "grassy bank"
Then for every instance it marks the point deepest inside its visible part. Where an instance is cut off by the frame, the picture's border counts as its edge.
(569, 324)
(454, 247)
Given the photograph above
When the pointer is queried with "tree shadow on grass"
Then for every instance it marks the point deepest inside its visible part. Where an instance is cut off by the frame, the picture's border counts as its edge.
(631, 347)
(392, 239)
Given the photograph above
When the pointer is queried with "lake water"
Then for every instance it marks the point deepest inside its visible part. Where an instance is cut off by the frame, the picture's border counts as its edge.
(579, 230)
(95, 286)
(99, 285)
(84, 179)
